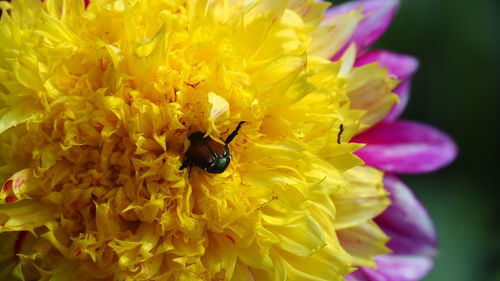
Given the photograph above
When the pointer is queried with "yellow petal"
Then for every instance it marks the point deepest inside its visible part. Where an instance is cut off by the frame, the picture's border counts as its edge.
(273, 80)
(242, 273)
(347, 60)
(303, 237)
(221, 257)
(218, 105)
(106, 221)
(334, 33)
(364, 197)
(370, 90)
(25, 215)
(13, 117)
(364, 242)
(326, 264)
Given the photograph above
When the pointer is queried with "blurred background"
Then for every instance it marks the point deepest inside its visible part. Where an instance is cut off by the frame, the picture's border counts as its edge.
(457, 89)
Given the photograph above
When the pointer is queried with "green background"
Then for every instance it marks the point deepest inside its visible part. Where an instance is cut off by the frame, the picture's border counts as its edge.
(457, 89)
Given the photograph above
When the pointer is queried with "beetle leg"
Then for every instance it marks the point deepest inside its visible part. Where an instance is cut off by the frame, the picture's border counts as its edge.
(185, 164)
(341, 130)
(234, 133)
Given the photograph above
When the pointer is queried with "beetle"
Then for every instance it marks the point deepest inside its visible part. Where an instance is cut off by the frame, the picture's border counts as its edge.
(207, 153)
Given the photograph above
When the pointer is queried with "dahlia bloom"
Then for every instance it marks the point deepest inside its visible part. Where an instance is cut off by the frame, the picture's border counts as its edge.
(97, 105)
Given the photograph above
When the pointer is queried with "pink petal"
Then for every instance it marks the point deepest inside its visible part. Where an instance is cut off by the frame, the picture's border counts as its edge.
(402, 66)
(358, 275)
(378, 15)
(399, 65)
(406, 147)
(399, 268)
(393, 267)
(413, 238)
(403, 91)
(406, 221)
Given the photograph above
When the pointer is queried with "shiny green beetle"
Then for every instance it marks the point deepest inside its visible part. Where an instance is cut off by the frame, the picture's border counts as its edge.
(207, 153)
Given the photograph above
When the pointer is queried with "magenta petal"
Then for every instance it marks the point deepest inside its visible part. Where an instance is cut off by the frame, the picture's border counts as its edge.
(392, 267)
(357, 275)
(403, 92)
(378, 15)
(406, 221)
(401, 66)
(413, 238)
(406, 147)
(399, 268)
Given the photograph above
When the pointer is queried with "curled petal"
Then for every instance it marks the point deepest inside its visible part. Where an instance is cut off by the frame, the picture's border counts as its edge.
(378, 15)
(16, 187)
(399, 65)
(25, 215)
(406, 147)
(218, 105)
(12, 117)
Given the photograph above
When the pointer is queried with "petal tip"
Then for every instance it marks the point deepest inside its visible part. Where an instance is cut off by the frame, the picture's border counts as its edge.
(406, 147)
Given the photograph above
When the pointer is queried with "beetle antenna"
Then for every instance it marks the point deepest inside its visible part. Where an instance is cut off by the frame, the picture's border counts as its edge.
(341, 129)
(234, 133)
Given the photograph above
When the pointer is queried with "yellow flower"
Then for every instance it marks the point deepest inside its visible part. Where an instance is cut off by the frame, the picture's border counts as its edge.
(97, 104)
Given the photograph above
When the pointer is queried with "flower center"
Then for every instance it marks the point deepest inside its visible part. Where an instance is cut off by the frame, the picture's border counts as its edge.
(102, 102)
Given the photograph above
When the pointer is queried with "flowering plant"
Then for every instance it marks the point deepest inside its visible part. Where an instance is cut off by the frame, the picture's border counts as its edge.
(99, 103)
